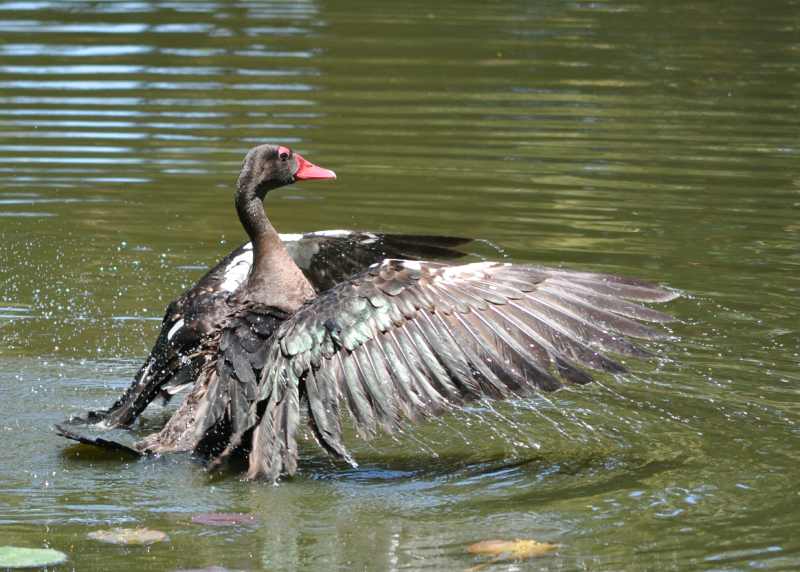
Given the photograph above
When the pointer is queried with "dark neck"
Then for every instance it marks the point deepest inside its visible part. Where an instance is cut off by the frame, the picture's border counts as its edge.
(274, 278)
(250, 208)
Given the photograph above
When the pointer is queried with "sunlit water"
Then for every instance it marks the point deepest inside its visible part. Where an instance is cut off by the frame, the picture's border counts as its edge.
(650, 139)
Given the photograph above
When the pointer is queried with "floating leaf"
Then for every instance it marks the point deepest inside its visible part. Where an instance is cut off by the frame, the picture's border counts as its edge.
(131, 536)
(224, 518)
(17, 557)
(512, 549)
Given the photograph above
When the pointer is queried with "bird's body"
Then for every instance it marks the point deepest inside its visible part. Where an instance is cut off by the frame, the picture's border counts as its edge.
(196, 316)
(264, 341)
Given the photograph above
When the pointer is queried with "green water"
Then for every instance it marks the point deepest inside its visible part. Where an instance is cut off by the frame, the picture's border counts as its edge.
(651, 139)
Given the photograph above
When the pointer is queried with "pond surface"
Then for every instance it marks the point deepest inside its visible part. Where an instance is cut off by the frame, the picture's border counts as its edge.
(659, 140)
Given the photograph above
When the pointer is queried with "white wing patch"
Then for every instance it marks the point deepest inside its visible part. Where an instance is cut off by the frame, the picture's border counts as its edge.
(236, 272)
(174, 329)
(333, 233)
(368, 237)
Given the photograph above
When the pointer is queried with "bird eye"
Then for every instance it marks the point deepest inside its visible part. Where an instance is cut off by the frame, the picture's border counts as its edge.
(284, 156)
(283, 153)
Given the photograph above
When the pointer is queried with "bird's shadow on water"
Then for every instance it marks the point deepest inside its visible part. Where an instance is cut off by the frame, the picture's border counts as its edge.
(532, 479)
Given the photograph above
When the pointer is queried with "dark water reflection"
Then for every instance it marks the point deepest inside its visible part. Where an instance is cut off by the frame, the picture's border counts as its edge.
(649, 139)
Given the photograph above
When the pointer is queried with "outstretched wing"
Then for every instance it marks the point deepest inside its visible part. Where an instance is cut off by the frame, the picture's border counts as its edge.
(406, 340)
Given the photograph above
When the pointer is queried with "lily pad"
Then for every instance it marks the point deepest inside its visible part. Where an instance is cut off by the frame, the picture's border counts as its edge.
(511, 549)
(18, 557)
(129, 536)
(224, 518)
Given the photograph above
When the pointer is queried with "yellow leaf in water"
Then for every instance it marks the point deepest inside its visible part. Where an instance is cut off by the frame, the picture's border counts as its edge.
(130, 536)
(516, 549)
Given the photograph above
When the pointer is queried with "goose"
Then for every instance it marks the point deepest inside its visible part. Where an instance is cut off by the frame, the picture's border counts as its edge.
(396, 342)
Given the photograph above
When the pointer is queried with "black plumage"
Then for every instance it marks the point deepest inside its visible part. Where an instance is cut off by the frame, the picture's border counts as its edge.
(397, 342)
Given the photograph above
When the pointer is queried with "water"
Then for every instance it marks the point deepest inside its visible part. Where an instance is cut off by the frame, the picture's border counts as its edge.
(642, 138)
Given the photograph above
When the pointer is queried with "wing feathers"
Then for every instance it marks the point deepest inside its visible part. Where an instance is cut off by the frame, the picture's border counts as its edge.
(374, 384)
(422, 383)
(274, 447)
(324, 417)
(615, 322)
(453, 362)
(613, 286)
(609, 303)
(406, 340)
(410, 394)
(517, 355)
(487, 380)
(357, 400)
(436, 373)
(558, 339)
(584, 330)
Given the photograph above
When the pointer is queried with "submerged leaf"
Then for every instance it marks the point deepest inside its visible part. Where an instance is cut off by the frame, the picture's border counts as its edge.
(515, 549)
(224, 518)
(131, 536)
(18, 557)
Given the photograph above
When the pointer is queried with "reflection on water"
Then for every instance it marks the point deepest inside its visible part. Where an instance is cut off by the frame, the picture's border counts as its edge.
(654, 140)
